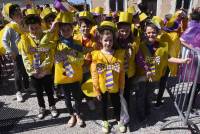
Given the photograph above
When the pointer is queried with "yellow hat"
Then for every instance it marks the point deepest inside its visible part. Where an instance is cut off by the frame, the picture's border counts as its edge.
(32, 16)
(171, 22)
(31, 11)
(142, 17)
(87, 88)
(156, 20)
(64, 17)
(131, 10)
(107, 25)
(92, 10)
(6, 9)
(177, 13)
(98, 10)
(125, 17)
(109, 14)
(86, 15)
(46, 12)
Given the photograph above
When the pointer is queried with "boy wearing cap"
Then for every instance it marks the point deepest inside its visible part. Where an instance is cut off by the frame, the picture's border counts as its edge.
(98, 17)
(10, 39)
(87, 40)
(38, 60)
(48, 17)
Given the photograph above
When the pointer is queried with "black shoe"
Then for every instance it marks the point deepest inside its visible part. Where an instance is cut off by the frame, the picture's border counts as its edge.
(194, 111)
(142, 118)
(158, 105)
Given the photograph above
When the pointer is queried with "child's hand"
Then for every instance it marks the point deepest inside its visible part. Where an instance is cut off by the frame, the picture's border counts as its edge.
(130, 52)
(13, 56)
(149, 76)
(186, 60)
(54, 26)
(99, 97)
(121, 91)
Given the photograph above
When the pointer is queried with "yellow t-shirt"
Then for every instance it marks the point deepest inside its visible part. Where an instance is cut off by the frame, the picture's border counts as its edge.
(99, 80)
(160, 68)
(29, 47)
(76, 61)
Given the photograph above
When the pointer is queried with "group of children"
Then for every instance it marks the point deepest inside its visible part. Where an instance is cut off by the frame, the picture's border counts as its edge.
(95, 56)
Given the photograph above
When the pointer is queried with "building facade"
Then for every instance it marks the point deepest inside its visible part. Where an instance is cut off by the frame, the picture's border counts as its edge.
(158, 7)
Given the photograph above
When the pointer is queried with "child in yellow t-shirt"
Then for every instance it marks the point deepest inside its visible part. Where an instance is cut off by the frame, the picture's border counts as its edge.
(108, 73)
(68, 66)
(38, 61)
(85, 23)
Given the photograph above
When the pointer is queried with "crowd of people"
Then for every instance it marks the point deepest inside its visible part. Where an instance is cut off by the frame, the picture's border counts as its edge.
(93, 55)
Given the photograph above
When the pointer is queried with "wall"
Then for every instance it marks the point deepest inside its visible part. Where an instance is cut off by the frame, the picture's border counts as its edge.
(165, 6)
(22, 3)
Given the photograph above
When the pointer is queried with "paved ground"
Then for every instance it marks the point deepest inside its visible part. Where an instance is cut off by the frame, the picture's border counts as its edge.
(20, 118)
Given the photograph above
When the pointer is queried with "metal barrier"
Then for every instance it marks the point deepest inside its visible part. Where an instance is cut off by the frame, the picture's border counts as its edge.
(182, 90)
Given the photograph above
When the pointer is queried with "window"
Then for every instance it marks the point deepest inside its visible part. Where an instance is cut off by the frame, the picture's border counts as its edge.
(113, 5)
(186, 4)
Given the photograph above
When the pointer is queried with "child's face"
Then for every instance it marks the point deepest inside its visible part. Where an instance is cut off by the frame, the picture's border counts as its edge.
(84, 28)
(66, 30)
(17, 16)
(49, 20)
(107, 41)
(34, 28)
(151, 34)
(124, 31)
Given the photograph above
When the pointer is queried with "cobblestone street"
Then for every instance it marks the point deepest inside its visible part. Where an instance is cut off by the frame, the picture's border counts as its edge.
(21, 118)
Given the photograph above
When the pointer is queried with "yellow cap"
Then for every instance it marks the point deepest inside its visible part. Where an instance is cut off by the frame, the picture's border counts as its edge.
(156, 20)
(107, 25)
(125, 17)
(64, 17)
(92, 10)
(171, 22)
(31, 11)
(87, 88)
(6, 9)
(86, 15)
(98, 10)
(177, 13)
(109, 14)
(142, 17)
(131, 10)
(46, 12)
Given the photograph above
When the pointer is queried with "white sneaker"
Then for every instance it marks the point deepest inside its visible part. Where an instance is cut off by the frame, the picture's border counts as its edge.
(105, 127)
(42, 112)
(19, 96)
(91, 105)
(121, 127)
(53, 111)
